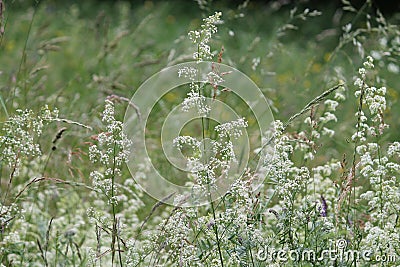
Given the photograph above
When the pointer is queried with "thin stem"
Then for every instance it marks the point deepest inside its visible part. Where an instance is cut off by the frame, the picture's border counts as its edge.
(380, 187)
(114, 230)
(119, 250)
(23, 57)
(215, 227)
(352, 186)
(10, 181)
(306, 108)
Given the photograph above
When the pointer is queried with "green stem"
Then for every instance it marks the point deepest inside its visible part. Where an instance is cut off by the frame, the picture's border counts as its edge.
(114, 229)
(209, 192)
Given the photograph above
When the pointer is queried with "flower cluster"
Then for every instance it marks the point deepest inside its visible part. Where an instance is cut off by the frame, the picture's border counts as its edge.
(375, 100)
(371, 96)
(213, 158)
(289, 179)
(112, 150)
(203, 36)
(380, 169)
(196, 100)
(232, 129)
(188, 72)
(181, 141)
(20, 135)
(319, 125)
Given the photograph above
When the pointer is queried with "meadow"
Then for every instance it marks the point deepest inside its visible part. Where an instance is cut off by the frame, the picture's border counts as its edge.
(278, 144)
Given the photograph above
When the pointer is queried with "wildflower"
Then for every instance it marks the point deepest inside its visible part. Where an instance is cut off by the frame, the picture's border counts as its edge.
(331, 104)
(188, 72)
(195, 100)
(339, 93)
(328, 132)
(180, 141)
(328, 116)
(233, 128)
(394, 149)
(203, 36)
(20, 135)
(256, 62)
(112, 150)
(369, 63)
(214, 78)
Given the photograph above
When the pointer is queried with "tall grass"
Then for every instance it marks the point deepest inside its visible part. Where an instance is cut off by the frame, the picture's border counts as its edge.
(332, 187)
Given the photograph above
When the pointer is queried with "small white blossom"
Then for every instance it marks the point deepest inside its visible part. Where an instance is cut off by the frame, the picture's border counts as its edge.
(331, 104)
(192, 142)
(203, 36)
(233, 128)
(21, 131)
(111, 151)
(327, 117)
(188, 72)
(195, 100)
(255, 63)
(394, 149)
(328, 132)
(369, 63)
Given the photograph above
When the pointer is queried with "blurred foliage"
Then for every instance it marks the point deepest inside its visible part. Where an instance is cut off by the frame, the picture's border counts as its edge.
(73, 54)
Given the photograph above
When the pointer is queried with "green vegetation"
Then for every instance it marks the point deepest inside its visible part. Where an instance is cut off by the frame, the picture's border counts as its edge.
(68, 70)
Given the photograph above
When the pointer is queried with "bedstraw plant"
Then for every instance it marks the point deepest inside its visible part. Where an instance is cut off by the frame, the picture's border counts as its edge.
(330, 194)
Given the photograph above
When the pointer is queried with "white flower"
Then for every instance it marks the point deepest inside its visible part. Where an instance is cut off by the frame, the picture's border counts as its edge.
(331, 104)
(394, 149)
(308, 121)
(20, 135)
(195, 100)
(359, 83)
(188, 72)
(214, 79)
(180, 141)
(111, 151)
(108, 113)
(339, 94)
(328, 116)
(203, 36)
(255, 62)
(369, 63)
(328, 132)
(362, 72)
(232, 129)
